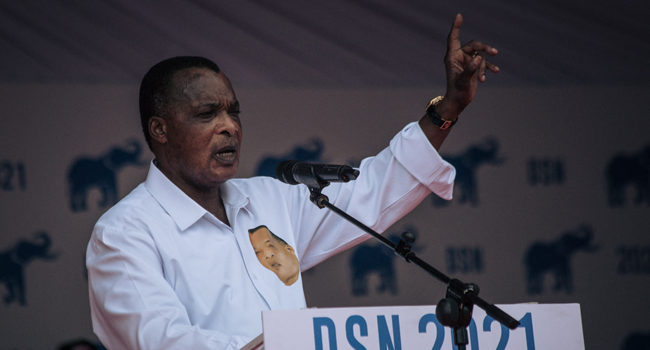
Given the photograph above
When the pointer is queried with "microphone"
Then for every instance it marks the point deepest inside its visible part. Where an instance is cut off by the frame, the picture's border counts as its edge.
(295, 172)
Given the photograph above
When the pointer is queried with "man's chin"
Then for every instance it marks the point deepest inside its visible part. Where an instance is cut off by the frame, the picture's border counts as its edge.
(225, 172)
(292, 279)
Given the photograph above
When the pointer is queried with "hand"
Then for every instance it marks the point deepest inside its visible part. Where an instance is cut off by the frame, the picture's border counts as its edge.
(465, 66)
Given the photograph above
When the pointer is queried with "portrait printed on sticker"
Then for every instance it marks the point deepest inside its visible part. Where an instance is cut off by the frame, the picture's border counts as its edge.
(275, 254)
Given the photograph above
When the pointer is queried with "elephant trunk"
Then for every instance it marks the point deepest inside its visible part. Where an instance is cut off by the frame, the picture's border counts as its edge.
(135, 145)
(118, 157)
(43, 240)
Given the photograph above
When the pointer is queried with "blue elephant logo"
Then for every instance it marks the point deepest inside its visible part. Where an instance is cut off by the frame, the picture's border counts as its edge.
(100, 172)
(311, 152)
(628, 170)
(14, 260)
(368, 259)
(554, 257)
(467, 164)
(637, 341)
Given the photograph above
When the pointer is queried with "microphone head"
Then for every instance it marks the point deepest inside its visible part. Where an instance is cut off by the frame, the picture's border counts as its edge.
(348, 173)
(284, 172)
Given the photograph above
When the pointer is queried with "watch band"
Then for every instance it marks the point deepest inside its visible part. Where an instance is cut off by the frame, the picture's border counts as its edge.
(436, 119)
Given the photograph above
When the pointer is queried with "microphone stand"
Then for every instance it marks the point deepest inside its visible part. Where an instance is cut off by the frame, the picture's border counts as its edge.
(455, 310)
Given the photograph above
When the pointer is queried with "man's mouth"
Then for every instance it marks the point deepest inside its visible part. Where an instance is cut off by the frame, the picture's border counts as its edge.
(227, 154)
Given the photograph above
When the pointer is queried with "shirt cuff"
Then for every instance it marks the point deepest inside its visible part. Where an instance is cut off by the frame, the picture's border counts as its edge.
(415, 153)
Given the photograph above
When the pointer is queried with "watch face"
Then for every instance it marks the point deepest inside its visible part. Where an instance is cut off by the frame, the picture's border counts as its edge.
(434, 102)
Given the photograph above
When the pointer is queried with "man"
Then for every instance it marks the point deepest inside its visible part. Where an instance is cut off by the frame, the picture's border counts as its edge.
(275, 254)
(171, 266)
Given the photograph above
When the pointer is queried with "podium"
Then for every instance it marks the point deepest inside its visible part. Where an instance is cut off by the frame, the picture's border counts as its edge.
(543, 326)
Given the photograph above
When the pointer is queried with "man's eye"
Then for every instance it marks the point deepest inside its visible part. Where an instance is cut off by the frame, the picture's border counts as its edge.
(234, 114)
(257, 252)
(207, 115)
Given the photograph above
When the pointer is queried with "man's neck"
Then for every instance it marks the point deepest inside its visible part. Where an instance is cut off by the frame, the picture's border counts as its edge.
(211, 203)
(209, 199)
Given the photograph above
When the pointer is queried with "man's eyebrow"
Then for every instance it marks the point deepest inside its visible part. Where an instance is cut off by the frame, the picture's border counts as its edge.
(208, 105)
(212, 105)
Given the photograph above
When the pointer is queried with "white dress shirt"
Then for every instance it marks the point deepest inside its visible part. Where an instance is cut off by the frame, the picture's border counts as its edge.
(166, 274)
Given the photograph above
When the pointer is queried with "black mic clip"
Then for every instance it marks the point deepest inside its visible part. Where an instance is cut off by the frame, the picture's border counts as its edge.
(314, 182)
(316, 185)
(317, 197)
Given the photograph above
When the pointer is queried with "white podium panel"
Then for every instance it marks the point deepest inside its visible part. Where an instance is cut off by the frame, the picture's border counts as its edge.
(543, 326)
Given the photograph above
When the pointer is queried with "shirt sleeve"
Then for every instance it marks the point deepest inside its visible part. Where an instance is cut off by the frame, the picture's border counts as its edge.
(133, 307)
(389, 186)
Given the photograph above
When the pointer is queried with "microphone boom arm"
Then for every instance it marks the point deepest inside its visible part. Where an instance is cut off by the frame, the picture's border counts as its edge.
(455, 311)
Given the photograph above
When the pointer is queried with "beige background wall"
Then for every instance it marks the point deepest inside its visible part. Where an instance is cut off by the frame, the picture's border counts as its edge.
(45, 128)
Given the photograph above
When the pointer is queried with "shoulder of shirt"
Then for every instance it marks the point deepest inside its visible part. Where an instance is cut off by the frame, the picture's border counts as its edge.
(137, 206)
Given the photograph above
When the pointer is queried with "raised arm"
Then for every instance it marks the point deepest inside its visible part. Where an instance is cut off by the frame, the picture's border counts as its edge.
(465, 67)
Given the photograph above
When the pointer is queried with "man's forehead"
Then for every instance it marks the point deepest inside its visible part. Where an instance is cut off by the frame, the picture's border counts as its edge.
(198, 84)
(193, 73)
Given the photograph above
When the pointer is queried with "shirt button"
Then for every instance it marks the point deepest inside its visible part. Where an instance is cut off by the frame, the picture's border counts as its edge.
(254, 276)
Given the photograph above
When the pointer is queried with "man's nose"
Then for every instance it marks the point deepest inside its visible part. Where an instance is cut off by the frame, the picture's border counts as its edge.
(268, 253)
(227, 124)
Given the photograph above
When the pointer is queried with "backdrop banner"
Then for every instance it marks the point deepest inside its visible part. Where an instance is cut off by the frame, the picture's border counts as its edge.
(551, 202)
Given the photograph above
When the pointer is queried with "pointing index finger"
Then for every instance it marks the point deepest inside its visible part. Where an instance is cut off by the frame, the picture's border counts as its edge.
(453, 40)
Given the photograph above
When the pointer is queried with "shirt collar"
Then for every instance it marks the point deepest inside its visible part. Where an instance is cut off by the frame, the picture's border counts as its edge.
(183, 209)
(232, 195)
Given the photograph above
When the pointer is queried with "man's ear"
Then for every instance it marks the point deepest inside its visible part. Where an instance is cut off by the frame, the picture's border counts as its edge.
(290, 249)
(158, 129)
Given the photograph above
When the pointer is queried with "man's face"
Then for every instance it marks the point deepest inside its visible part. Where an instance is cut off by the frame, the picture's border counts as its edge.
(275, 255)
(203, 130)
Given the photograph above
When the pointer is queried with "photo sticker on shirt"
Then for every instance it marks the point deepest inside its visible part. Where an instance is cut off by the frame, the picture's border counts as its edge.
(275, 254)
